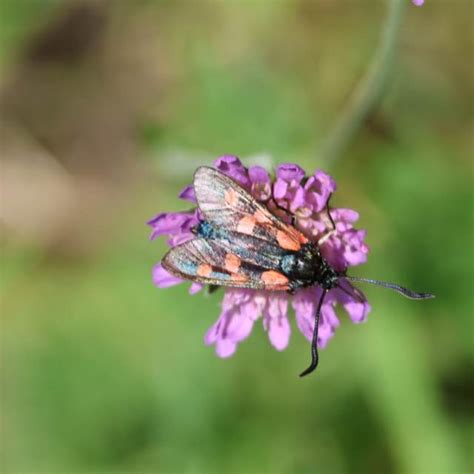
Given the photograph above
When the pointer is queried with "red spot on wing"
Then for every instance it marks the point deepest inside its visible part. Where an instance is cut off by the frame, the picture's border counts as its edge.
(204, 270)
(273, 278)
(246, 225)
(231, 198)
(302, 238)
(287, 242)
(239, 277)
(261, 218)
(232, 263)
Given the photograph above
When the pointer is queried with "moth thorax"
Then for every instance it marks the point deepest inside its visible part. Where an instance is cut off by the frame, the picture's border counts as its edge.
(328, 277)
(308, 264)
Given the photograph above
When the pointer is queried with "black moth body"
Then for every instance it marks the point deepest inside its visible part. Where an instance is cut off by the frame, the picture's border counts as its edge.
(303, 268)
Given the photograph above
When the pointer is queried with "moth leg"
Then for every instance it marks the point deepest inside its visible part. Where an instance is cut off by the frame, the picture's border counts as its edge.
(330, 233)
(325, 237)
(212, 289)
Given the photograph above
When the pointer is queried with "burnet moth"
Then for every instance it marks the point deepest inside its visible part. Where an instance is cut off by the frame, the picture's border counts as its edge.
(241, 244)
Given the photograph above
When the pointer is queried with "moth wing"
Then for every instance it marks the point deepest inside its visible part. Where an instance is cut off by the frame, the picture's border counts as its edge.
(226, 204)
(206, 262)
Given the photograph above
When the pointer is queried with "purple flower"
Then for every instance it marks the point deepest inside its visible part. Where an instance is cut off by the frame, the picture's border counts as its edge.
(305, 198)
(260, 183)
(231, 166)
(418, 3)
(187, 193)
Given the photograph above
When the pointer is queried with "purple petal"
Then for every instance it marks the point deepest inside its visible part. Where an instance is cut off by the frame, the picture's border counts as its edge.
(225, 348)
(304, 304)
(187, 193)
(418, 3)
(355, 251)
(276, 322)
(325, 333)
(260, 183)
(232, 167)
(230, 329)
(345, 215)
(280, 189)
(163, 279)
(326, 181)
(180, 239)
(240, 308)
(328, 311)
(185, 230)
(227, 162)
(318, 188)
(297, 200)
(257, 174)
(290, 172)
(195, 288)
(168, 223)
(279, 333)
(356, 309)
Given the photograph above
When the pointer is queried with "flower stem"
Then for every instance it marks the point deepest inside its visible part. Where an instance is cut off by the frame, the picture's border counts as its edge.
(369, 91)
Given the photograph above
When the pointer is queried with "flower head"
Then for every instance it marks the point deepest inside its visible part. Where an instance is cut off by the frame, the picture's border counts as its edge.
(305, 198)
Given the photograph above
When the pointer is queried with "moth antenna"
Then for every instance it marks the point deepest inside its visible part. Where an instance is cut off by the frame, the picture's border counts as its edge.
(400, 289)
(314, 342)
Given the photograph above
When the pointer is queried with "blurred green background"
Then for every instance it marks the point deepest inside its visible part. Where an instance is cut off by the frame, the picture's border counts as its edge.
(106, 108)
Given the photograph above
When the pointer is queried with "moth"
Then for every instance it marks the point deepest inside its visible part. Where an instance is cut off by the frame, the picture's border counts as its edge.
(241, 244)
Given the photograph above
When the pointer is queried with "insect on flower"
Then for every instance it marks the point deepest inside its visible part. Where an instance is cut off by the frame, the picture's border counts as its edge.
(239, 242)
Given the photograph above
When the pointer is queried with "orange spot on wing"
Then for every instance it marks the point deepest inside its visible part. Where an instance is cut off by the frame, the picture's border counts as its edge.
(273, 278)
(246, 225)
(239, 277)
(287, 242)
(204, 270)
(232, 263)
(261, 218)
(231, 198)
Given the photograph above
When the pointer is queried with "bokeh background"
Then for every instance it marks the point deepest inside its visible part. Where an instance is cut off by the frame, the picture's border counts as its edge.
(106, 109)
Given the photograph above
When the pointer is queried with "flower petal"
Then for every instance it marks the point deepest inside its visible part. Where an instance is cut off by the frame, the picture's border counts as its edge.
(297, 200)
(345, 215)
(304, 304)
(163, 279)
(276, 322)
(326, 181)
(235, 322)
(290, 172)
(195, 288)
(187, 193)
(325, 333)
(232, 167)
(356, 309)
(280, 189)
(168, 223)
(260, 183)
(225, 348)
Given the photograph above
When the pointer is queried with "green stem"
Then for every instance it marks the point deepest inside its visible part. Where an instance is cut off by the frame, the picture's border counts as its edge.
(369, 91)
